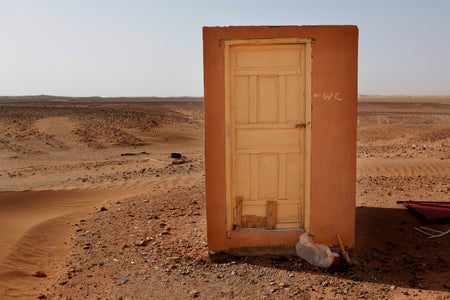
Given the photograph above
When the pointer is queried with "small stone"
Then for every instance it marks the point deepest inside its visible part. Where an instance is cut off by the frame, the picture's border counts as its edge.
(185, 272)
(142, 242)
(103, 208)
(195, 293)
(324, 283)
(393, 287)
(42, 296)
(62, 282)
(124, 280)
(39, 274)
(178, 161)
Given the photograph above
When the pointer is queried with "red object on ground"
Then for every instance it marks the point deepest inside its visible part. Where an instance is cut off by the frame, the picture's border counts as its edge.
(336, 258)
(433, 212)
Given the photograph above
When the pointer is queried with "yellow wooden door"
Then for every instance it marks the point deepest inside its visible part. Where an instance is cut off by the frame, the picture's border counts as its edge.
(268, 133)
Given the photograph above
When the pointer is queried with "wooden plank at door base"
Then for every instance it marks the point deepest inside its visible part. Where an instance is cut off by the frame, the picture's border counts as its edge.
(238, 215)
(254, 221)
(271, 212)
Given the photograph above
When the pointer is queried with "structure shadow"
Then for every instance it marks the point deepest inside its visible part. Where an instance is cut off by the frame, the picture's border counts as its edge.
(389, 250)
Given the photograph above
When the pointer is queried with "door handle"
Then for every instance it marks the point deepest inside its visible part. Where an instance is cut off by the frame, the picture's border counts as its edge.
(300, 125)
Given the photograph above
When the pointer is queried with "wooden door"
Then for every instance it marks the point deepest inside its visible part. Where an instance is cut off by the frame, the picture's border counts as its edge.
(268, 133)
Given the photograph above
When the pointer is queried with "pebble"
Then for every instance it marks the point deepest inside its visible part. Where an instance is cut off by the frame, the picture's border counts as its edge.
(39, 274)
(195, 293)
(142, 242)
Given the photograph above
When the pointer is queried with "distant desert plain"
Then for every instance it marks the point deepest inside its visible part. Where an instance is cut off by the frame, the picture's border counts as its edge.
(94, 205)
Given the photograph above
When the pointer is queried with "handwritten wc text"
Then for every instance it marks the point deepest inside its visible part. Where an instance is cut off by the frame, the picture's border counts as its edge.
(333, 96)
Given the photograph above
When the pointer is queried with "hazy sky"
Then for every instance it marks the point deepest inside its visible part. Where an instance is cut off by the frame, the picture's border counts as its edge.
(154, 48)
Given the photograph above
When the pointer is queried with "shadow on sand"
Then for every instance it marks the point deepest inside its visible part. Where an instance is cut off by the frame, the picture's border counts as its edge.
(388, 251)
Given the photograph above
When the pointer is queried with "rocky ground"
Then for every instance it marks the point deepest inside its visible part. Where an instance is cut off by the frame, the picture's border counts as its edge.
(152, 243)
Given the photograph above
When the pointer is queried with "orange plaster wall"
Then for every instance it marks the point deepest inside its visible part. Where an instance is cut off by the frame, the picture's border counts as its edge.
(333, 121)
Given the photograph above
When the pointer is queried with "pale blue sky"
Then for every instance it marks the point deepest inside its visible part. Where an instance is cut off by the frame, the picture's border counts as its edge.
(154, 48)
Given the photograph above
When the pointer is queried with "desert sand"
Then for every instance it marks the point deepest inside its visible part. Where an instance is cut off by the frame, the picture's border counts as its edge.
(90, 198)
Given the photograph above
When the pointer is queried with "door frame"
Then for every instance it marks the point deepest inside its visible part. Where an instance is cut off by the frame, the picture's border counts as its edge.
(229, 135)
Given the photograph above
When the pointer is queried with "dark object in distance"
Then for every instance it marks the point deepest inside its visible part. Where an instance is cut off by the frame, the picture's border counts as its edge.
(175, 155)
(130, 154)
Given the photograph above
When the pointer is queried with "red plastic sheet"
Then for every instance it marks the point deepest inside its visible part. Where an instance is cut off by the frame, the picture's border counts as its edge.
(433, 212)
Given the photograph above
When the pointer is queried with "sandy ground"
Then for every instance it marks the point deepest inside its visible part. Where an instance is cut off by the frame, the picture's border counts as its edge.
(90, 198)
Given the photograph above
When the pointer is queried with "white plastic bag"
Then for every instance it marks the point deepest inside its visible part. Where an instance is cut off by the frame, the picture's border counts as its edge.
(316, 254)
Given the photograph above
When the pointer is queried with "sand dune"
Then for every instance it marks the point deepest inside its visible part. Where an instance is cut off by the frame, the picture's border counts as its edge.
(61, 129)
(53, 172)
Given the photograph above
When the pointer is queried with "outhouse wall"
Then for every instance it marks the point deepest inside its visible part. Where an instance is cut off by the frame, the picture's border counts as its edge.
(334, 51)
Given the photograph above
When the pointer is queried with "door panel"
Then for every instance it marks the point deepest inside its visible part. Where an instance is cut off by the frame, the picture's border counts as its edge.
(267, 176)
(267, 104)
(295, 110)
(267, 125)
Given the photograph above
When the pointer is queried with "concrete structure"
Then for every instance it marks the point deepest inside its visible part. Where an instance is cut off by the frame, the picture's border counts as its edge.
(280, 142)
